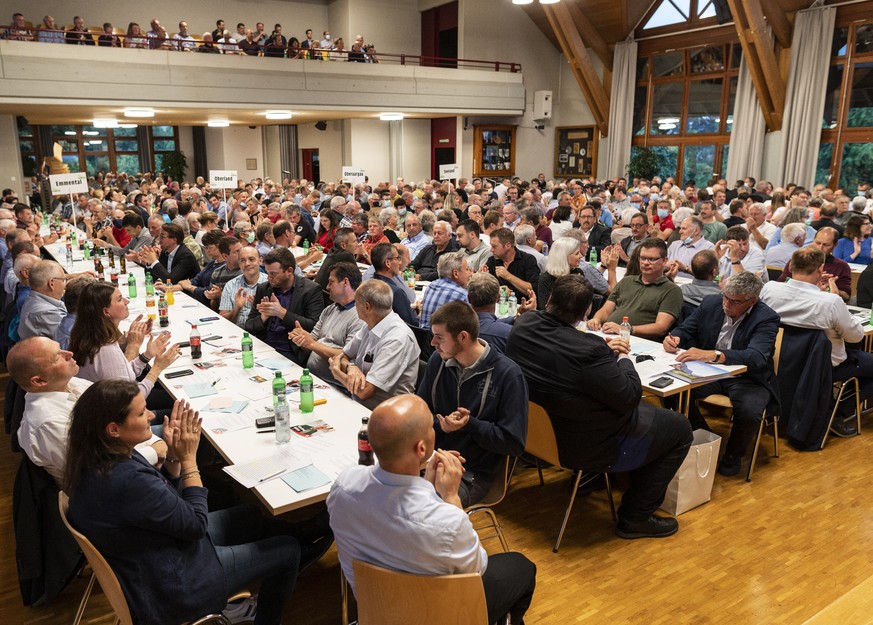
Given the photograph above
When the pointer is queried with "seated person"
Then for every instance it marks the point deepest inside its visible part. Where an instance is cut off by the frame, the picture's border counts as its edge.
(154, 528)
(238, 295)
(134, 226)
(47, 374)
(343, 251)
(483, 294)
(478, 397)
(198, 286)
(704, 268)
(512, 267)
(567, 369)
(282, 301)
(451, 287)
(825, 240)
(74, 289)
(175, 262)
(733, 328)
(425, 263)
(793, 236)
(691, 242)
(650, 301)
(43, 310)
(337, 325)
(856, 244)
(387, 268)
(390, 516)
(802, 303)
(736, 254)
(470, 242)
(382, 359)
(639, 224)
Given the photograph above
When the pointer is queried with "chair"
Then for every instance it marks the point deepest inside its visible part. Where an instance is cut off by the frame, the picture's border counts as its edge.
(109, 582)
(842, 395)
(773, 273)
(724, 402)
(388, 597)
(494, 496)
(423, 337)
(542, 444)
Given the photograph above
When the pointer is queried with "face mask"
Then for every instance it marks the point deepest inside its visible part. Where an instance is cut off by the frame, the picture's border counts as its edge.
(401, 211)
(654, 197)
(635, 204)
(663, 213)
(250, 237)
(688, 240)
(116, 223)
(386, 203)
(327, 37)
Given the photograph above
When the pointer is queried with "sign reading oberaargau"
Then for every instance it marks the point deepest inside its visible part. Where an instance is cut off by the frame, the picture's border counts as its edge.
(354, 175)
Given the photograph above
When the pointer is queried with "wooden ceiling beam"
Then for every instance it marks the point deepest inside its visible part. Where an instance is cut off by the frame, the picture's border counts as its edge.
(778, 21)
(760, 59)
(590, 35)
(580, 63)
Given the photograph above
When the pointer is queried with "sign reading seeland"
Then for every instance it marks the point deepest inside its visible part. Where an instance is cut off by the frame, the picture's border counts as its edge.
(450, 172)
(65, 184)
(223, 178)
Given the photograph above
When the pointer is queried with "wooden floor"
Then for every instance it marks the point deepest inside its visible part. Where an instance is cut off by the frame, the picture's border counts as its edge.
(779, 550)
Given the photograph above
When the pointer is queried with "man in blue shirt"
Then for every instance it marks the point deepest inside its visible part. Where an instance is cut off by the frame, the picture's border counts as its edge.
(454, 275)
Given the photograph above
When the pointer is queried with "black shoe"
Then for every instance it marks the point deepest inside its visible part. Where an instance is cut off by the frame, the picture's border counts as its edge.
(730, 465)
(653, 527)
(312, 552)
(844, 428)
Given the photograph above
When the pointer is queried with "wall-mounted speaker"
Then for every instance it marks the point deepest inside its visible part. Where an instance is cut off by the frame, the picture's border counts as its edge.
(322, 125)
(542, 105)
(722, 11)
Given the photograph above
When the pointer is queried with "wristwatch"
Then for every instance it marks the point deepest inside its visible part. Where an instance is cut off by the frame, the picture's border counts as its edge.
(717, 356)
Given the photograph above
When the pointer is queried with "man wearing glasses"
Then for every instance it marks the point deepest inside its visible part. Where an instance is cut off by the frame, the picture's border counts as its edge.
(733, 328)
(650, 301)
(43, 310)
(639, 229)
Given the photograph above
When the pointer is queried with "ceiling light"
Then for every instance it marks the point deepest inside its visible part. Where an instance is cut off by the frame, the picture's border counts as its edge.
(105, 123)
(70, 133)
(127, 125)
(390, 117)
(668, 120)
(98, 142)
(218, 123)
(139, 112)
(549, 1)
(522, 1)
(278, 114)
(666, 126)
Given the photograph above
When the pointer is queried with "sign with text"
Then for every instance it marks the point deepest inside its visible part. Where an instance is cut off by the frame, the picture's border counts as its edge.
(354, 175)
(65, 184)
(223, 178)
(449, 172)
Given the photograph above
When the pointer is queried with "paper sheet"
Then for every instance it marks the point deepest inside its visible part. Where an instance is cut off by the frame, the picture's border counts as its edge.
(259, 471)
(306, 478)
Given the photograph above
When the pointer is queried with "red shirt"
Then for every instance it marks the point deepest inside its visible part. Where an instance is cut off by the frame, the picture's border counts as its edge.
(121, 236)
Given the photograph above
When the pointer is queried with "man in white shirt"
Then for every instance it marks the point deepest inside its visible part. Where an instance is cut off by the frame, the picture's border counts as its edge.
(691, 241)
(183, 39)
(759, 228)
(525, 239)
(737, 255)
(390, 516)
(237, 296)
(46, 373)
(469, 237)
(793, 237)
(416, 240)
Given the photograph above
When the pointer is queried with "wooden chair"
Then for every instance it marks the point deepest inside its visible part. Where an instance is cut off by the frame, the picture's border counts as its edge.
(109, 582)
(542, 444)
(494, 496)
(724, 402)
(841, 394)
(388, 597)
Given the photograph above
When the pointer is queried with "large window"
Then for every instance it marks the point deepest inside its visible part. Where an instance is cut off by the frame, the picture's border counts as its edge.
(683, 109)
(845, 155)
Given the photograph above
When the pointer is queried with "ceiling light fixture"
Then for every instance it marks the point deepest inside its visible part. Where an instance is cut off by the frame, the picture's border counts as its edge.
(139, 112)
(218, 123)
(522, 1)
(127, 126)
(390, 117)
(666, 126)
(278, 114)
(70, 133)
(668, 120)
(97, 142)
(105, 123)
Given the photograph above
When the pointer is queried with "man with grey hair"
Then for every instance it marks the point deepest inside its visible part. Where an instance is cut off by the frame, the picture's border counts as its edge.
(454, 274)
(425, 263)
(525, 240)
(382, 359)
(732, 329)
(793, 238)
(691, 241)
(43, 310)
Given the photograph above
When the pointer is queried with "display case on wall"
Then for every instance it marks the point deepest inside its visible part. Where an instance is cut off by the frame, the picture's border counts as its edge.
(575, 151)
(493, 150)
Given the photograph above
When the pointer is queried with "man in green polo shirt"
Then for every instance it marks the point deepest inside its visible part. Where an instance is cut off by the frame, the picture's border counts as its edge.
(650, 301)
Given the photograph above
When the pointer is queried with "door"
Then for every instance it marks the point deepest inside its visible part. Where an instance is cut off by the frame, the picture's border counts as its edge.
(311, 169)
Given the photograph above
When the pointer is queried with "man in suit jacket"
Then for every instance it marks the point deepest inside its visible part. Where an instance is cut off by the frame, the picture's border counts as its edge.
(280, 302)
(734, 329)
(344, 245)
(597, 235)
(176, 262)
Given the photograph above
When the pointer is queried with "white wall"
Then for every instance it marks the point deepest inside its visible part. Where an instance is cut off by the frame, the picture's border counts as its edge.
(10, 157)
(228, 148)
(416, 149)
(369, 147)
(394, 27)
(272, 154)
(329, 144)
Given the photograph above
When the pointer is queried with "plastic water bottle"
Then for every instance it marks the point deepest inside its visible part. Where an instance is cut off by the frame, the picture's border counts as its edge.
(305, 247)
(283, 421)
(131, 286)
(150, 308)
(545, 251)
(624, 330)
(150, 284)
(365, 452)
(594, 259)
(171, 298)
(248, 354)
(503, 306)
(87, 251)
(513, 305)
(278, 388)
(70, 255)
(307, 398)
(162, 311)
(194, 340)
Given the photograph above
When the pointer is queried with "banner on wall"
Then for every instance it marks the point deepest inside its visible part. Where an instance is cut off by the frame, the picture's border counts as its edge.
(354, 175)
(223, 178)
(65, 184)
(450, 172)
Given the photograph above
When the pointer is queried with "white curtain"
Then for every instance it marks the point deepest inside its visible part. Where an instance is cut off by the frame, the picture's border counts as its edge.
(747, 135)
(621, 109)
(805, 95)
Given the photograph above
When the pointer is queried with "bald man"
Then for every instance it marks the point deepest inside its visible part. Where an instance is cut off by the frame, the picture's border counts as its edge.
(390, 516)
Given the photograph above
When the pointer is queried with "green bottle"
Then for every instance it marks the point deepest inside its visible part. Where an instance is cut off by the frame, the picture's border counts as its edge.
(87, 252)
(150, 285)
(278, 388)
(131, 286)
(307, 399)
(248, 355)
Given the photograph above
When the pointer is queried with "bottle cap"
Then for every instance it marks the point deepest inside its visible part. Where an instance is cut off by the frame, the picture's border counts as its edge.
(245, 335)
(193, 326)
(365, 419)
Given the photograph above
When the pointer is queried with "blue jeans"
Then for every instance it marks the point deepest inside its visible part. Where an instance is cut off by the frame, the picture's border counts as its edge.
(652, 453)
(253, 548)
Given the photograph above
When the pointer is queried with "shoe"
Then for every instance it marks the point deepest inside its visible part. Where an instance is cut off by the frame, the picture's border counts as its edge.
(653, 527)
(241, 611)
(844, 428)
(730, 465)
(312, 552)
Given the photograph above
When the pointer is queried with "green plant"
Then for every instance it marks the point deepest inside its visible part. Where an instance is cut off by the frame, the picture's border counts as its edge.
(644, 162)
(174, 165)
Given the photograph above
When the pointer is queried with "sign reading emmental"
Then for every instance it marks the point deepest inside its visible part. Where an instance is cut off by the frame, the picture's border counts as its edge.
(223, 178)
(65, 184)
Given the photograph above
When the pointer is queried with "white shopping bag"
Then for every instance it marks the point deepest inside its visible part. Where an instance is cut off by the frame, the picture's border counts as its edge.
(692, 484)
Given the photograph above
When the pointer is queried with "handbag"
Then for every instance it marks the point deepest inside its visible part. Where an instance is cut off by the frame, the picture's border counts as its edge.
(692, 484)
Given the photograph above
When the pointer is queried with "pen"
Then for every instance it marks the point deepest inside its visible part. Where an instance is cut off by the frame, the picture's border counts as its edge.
(266, 431)
(214, 382)
(270, 477)
(319, 402)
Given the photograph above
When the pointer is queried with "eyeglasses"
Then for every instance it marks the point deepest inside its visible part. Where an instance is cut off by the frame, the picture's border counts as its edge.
(649, 259)
(735, 302)
(638, 225)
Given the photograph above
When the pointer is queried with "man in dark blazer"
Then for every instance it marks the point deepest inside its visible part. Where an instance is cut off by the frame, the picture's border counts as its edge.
(732, 329)
(344, 244)
(598, 235)
(175, 262)
(281, 303)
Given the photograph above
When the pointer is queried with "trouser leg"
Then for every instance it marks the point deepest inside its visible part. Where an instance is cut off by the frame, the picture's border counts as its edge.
(509, 583)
